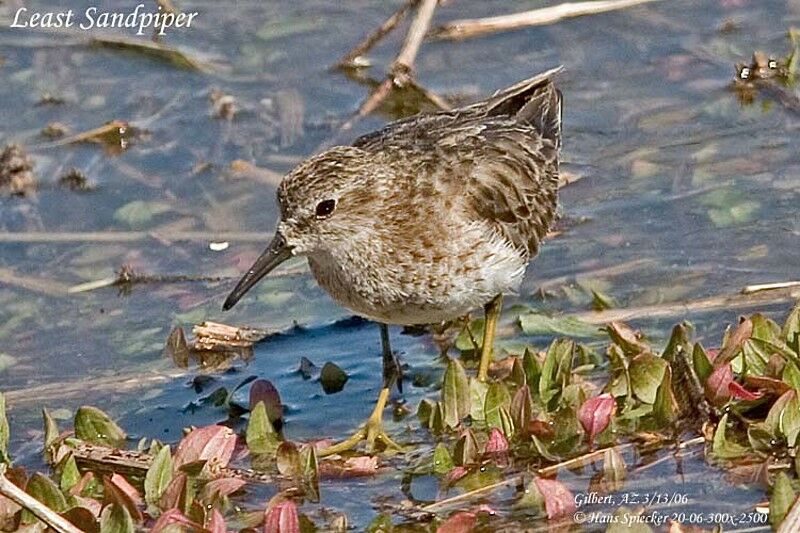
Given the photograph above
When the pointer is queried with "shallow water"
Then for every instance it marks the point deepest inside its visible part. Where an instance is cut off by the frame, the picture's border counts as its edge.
(674, 172)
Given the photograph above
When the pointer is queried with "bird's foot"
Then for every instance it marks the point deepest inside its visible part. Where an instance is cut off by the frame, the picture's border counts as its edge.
(371, 432)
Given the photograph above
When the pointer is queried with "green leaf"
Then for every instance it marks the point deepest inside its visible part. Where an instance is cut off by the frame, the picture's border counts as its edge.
(309, 471)
(437, 419)
(95, 427)
(139, 213)
(532, 369)
(158, 476)
(496, 397)
(722, 447)
(288, 460)
(477, 395)
(647, 373)
(466, 451)
(455, 394)
(116, 519)
(531, 499)
(702, 364)
(70, 475)
(773, 420)
(442, 461)
(261, 437)
(5, 432)
(506, 423)
(791, 375)
(539, 324)
(425, 411)
(791, 328)
(522, 409)
(678, 342)
(381, 524)
(614, 469)
(783, 497)
(51, 432)
(663, 408)
(630, 340)
(46, 491)
(556, 371)
(470, 337)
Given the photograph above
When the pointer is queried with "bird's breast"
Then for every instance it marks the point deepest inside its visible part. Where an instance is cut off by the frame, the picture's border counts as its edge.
(427, 282)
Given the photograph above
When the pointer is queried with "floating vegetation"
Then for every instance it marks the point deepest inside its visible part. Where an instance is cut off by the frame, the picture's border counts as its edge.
(520, 430)
(16, 171)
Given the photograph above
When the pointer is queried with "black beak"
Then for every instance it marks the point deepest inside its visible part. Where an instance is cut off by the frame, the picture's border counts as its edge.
(276, 253)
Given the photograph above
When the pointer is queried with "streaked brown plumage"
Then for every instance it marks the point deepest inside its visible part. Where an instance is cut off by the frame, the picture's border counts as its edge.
(434, 215)
(428, 218)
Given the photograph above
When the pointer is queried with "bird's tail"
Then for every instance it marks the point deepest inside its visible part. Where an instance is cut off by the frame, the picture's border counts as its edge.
(534, 101)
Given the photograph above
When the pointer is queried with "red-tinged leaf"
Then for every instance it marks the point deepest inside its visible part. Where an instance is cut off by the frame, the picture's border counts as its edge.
(175, 493)
(542, 429)
(282, 518)
(362, 466)
(174, 517)
(595, 414)
(90, 504)
(763, 383)
(79, 487)
(740, 393)
(213, 444)
(735, 342)
(122, 483)
(454, 475)
(217, 523)
(117, 490)
(83, 519)
(461, 522)
(558, 500)
(712, 354)
(264, 391)
(222, 487)
(497, 443)
(717, 386)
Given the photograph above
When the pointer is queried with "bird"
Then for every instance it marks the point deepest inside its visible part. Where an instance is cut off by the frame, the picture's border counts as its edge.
(426, 219)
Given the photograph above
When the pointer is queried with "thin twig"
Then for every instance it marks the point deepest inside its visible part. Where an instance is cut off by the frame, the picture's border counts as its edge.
(351, 59)
(405, 59)
(401, 71)
(712, 303)
(47, 287)
(132, 236)
(750, 289)
(40, 510)
(466, 28)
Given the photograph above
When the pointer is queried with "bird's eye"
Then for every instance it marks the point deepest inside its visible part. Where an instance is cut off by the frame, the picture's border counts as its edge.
(325, 208)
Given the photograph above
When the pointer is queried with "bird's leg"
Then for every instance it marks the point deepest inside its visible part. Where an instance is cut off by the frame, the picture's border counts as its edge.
(492, 315)
(372, 431)
(392, 372)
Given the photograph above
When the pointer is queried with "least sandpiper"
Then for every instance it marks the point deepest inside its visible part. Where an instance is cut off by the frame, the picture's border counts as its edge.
(426, 219)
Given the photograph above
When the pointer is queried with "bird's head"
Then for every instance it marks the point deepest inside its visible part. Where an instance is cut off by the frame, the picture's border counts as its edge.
(323, 203)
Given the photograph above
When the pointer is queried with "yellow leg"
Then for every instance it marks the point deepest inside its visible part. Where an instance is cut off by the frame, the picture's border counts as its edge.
(492, 315)
(371, 432)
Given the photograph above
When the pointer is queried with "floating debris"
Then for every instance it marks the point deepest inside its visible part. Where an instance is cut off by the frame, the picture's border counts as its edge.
(219, 246)
(224, 105)
(75, 180)
(214, 336)
(55, 130)
(16, 171)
